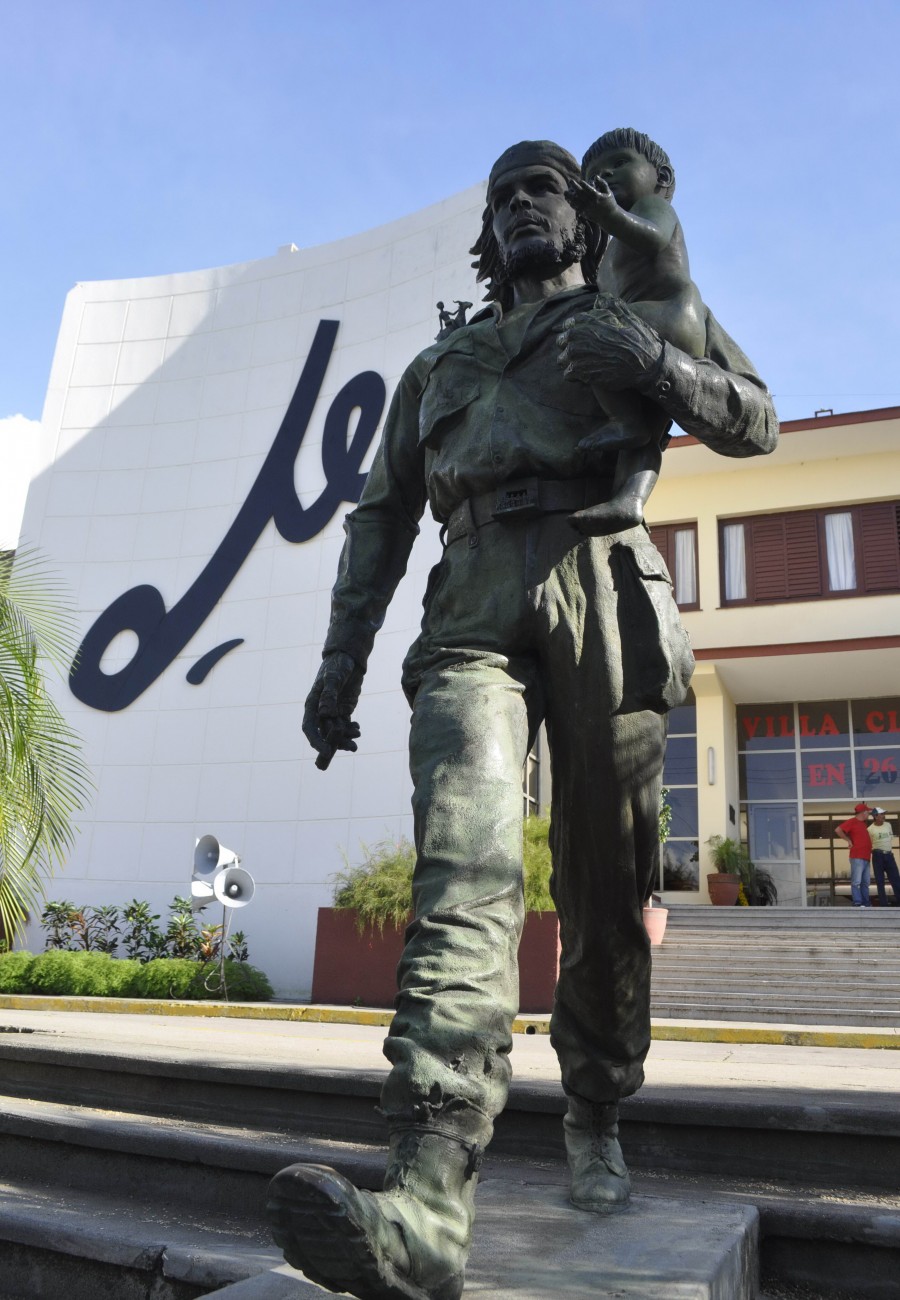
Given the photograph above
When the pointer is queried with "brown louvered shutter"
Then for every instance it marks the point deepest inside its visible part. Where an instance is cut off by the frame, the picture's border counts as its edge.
(879, 524)
(767, 568)
(659, 536)
(785, 561)
(804, 568)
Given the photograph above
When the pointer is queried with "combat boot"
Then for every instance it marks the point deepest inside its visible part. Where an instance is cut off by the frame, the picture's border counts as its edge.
(600, 1181)
(407, 1242)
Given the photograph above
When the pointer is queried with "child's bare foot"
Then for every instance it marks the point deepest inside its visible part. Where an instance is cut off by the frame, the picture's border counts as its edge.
(613, 516)
(614, 437)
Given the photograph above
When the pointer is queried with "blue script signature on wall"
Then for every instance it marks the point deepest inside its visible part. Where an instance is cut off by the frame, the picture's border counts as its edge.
(162, 634)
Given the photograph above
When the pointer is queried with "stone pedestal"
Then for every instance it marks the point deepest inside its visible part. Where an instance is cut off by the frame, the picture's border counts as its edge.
(530, 1244)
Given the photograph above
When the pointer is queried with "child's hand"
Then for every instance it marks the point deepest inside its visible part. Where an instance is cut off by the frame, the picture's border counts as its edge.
(594, 200)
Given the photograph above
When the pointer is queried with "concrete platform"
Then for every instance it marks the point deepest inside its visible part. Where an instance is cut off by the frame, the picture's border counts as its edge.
(530, 1244)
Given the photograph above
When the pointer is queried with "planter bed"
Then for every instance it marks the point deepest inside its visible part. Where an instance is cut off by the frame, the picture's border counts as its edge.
(360, 969)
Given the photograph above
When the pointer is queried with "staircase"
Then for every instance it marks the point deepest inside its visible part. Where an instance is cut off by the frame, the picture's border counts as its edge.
(131, 1176)
(785, 965)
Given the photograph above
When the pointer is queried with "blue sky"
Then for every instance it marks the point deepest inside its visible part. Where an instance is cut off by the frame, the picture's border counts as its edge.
(147, 137)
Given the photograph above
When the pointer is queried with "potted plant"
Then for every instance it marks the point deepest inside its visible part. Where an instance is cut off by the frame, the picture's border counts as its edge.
(736, 877)
(655, 918)
(730, 859)
(359, 940)
(655, 915)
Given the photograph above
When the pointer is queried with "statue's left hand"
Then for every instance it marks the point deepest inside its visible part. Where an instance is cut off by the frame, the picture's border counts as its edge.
(609, 346)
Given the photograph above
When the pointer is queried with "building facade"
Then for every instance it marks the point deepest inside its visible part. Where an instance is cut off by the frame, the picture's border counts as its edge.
(787, 570)
(203, 436)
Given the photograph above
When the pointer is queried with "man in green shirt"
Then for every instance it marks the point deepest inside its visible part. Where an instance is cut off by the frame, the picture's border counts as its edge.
(531, 615)
(881, 833)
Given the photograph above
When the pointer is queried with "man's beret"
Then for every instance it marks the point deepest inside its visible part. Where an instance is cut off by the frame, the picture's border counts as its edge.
(533, 153)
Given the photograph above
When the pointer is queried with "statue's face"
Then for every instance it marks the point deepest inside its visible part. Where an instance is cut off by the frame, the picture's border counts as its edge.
(628, 174)
(533, 221)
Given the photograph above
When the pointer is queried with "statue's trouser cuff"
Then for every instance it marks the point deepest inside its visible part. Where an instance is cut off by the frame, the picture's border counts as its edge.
(523, 628)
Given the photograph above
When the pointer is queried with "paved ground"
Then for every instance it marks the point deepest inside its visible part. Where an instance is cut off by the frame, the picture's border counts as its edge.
(781, 1072)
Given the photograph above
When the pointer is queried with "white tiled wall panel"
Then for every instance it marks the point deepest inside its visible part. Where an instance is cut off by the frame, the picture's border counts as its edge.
(164, 399)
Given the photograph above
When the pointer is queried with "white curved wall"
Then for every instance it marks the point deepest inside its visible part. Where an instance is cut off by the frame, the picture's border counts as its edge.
(165, 398)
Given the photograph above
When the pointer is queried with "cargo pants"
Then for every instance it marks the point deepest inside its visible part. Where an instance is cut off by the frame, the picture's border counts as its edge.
(528, 621)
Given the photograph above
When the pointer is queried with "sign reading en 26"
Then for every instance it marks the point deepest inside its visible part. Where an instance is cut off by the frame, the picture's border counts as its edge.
(162, 634)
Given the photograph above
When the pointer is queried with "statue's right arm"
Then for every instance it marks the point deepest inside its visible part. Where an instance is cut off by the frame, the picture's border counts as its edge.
(380, 533)
(718, 398)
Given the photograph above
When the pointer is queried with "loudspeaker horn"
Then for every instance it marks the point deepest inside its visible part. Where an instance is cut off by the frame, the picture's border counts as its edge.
(234, 887)
(210, 856)
(202, 894)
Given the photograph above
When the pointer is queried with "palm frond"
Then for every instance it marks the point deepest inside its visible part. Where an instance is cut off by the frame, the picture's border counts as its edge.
(44, 781)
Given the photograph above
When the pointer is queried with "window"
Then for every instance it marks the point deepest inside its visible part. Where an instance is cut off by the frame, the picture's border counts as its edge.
(811, 554)
(680, 865)
(531, 783)
(677, 544)
(536, 783)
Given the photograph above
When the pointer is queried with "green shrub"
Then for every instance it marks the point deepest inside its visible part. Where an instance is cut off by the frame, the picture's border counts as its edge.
(245, 982)
(537, 865)
(380, 888)
(179, 977)
(99, 929)
(15, 970)
(84, 974)
(95, 974)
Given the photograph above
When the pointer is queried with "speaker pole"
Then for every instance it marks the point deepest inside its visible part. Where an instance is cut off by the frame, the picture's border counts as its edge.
(222, 981)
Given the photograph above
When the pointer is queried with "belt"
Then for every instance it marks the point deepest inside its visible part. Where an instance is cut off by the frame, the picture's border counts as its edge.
(524, 498)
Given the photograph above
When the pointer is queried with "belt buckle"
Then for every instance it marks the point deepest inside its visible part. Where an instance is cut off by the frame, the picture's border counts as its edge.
(518, 500)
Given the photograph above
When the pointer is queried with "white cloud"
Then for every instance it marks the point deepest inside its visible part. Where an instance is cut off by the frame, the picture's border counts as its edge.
(18, 459)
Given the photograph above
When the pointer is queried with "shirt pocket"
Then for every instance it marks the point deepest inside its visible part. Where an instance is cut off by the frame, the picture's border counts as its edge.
(451, 385)
(656, 654)
(547, 386)
(650, 564)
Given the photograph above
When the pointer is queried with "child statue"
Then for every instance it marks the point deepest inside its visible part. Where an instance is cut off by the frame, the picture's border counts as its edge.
(627, 187)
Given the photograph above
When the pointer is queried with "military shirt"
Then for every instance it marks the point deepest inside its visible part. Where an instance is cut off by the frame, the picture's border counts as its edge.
(475, 411)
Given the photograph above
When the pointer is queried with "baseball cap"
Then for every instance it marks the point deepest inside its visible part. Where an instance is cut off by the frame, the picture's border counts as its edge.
(879, 812)
(862, 807)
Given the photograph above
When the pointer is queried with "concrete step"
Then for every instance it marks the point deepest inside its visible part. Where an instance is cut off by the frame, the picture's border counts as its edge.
(102, 1246)
(694, 975)
(181, 1201)
(869, 938)
(529, 1243)
(760, 953)
(773, 919)
(862, 991)
(766, 995)
(686, 1009)
(800, 943)
(59, 1096)
(775, 1013)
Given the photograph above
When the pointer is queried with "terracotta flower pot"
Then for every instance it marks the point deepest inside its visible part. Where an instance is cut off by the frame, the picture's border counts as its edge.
(724, 887)
(655, 924)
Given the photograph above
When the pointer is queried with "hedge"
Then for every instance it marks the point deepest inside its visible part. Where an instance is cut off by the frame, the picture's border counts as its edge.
(96, 974)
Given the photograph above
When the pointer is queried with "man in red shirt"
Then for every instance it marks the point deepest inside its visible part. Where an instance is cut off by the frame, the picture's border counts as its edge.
(855, 833)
